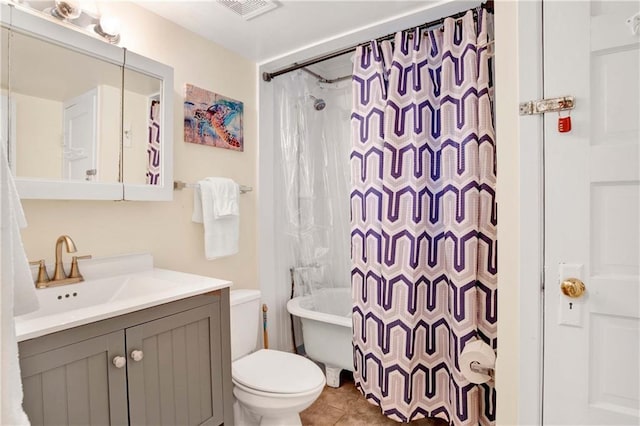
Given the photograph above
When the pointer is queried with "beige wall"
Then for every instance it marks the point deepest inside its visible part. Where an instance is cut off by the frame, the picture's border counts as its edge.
(165, 229)
(39, 136)
(136, 123)
(108, 139)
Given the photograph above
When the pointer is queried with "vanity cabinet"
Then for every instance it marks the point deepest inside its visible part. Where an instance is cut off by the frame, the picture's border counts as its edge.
(177, 370)
(71, 385)
(179, 380)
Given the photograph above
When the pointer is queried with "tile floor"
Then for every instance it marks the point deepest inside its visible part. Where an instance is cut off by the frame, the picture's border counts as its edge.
(345, 406)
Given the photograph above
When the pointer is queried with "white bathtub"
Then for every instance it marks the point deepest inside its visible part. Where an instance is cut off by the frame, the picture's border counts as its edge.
(327, 329)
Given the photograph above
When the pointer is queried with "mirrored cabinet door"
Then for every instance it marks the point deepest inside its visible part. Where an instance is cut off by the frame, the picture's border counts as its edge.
(142, 125)
(147, 138)
(67, 125)
(78, 121)
(61, 109)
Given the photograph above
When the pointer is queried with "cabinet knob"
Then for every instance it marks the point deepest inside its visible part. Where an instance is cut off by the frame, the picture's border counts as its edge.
(137, 355)
(119, 361)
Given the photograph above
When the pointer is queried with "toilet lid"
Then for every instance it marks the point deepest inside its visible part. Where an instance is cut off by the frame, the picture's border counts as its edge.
(277, 372)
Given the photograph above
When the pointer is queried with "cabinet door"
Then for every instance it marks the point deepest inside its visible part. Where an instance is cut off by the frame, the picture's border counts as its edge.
(77, 384)
(179, 379)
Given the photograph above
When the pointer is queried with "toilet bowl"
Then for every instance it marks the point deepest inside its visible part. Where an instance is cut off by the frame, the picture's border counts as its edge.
(270, 387)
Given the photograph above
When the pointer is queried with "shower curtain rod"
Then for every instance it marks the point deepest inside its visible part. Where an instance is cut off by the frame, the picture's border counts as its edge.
(268, 76)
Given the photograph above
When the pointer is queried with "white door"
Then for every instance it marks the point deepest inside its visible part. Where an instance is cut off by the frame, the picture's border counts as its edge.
(592, 215)
(79, 152)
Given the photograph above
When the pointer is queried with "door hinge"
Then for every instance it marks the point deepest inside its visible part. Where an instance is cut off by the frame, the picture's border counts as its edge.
(547, 105)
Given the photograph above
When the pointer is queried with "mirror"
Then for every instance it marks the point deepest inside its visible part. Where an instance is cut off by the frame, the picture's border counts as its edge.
(78, 121)
(141, 128)
(147, 151)
(66, 104)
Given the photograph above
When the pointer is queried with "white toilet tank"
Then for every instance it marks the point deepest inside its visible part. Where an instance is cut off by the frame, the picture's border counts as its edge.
(245, 322)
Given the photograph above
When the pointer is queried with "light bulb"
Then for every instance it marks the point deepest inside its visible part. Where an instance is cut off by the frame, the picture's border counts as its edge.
(67, 9)
(109, 28)
(110, 25)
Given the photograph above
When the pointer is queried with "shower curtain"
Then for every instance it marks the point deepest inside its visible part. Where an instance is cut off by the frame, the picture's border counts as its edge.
(423, 220)
(313, 157)
(153, 144)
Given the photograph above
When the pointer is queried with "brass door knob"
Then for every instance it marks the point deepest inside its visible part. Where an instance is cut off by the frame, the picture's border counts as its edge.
(572, 287)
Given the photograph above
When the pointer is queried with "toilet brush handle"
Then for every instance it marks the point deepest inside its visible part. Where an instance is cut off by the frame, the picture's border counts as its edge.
(265, 334)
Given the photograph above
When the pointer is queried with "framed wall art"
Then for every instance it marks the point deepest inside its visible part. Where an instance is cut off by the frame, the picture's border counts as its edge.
(212, 119)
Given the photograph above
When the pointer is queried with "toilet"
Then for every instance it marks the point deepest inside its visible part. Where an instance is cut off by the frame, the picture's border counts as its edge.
(270, 387)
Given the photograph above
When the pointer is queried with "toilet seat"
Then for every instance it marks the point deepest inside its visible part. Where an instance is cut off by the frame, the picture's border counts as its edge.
(274, 372)
(273, 395)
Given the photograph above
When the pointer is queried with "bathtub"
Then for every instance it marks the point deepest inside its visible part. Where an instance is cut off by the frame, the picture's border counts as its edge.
(327, 329)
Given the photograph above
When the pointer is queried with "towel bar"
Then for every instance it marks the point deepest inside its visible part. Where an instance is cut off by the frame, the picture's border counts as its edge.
(179, 185)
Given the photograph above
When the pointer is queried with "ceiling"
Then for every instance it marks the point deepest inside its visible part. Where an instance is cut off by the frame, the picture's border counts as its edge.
(293, 25)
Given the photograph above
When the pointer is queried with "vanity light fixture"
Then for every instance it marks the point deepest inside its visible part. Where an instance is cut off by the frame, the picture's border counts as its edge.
(66, 9)
(72, 12)
(108, 27)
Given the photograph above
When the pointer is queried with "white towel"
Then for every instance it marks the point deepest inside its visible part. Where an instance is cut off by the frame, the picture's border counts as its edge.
(215, 205)
(17, 296)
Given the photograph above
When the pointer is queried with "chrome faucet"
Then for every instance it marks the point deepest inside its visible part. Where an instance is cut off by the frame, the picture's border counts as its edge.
(58, 273)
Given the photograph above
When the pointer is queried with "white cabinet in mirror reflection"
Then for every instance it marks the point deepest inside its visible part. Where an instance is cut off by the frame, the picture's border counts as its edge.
(82, 119)
(80, 145)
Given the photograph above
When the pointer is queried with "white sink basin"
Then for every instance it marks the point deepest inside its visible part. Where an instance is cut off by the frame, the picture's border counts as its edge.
(139, 286)
(129, 286)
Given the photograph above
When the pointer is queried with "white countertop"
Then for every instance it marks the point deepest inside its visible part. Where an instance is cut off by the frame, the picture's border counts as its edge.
(112, 287)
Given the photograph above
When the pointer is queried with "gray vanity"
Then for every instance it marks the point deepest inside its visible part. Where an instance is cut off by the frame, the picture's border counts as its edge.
(136, 356)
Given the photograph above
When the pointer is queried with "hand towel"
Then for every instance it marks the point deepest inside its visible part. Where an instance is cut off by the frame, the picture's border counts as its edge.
(225, 195)
(215, 205)
(24, 290)
(17, 296)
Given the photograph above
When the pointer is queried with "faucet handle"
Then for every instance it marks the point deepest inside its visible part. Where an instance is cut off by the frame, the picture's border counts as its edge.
(43, 276)
(75, 271)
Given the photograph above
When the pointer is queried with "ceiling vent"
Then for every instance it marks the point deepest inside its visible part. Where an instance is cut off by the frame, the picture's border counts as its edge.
(249, 9)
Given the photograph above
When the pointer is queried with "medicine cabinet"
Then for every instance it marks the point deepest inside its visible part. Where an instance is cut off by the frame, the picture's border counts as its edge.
(82, 119)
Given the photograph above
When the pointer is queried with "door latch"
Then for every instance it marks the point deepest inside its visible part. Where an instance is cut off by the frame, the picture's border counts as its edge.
(542, 106)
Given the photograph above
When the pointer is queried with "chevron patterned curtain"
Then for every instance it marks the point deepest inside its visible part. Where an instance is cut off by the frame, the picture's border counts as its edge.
(153, 145)
(423, 226)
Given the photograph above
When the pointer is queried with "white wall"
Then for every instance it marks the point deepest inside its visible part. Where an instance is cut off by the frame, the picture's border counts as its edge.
(520, 212)
(508, 210)
(165, 228)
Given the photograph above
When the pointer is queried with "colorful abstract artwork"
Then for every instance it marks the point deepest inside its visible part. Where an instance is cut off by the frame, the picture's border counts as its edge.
(212, 119)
